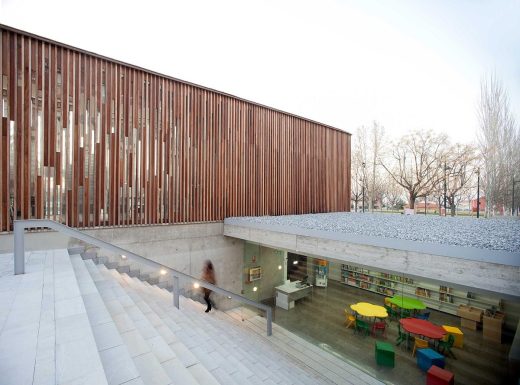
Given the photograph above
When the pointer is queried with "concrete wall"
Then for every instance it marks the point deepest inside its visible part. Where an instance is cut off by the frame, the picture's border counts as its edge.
(478, 275)
(43, 240)
(182, 247)
(268, 259)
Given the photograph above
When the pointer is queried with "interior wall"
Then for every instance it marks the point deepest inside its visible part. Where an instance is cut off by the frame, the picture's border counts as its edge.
(334, 271)
(271, 261)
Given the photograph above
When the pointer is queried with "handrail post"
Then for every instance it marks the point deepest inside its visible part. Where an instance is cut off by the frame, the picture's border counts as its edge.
(19, 248)
(176, 291)
(269, 316)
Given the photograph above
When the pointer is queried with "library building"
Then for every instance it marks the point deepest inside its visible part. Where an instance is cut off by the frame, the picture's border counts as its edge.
(330, 279)
(118, 186)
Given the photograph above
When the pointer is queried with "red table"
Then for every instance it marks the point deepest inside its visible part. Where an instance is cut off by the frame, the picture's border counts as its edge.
(422, 328)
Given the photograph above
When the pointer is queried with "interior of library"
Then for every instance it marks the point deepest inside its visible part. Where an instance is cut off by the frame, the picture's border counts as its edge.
(331, 303)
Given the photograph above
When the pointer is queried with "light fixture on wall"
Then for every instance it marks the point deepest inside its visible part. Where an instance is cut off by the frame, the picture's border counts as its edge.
(123, 257)
(196, 285)
(279, 267)
(255, 288)
(163, 271)
(295, 262)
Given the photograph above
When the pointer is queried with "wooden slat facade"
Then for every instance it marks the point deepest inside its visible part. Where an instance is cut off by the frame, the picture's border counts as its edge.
(89, 141)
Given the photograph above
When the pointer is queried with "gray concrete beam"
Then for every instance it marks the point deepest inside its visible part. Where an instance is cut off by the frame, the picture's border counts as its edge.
(481, 276)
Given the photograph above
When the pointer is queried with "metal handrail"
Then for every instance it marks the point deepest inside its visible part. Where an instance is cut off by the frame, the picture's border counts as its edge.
(19, 261)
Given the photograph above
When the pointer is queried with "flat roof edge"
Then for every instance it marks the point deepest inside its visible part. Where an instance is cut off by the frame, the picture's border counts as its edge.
(463, 252)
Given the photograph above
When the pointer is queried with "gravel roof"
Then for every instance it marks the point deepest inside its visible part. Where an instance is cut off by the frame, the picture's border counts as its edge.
(491, 234)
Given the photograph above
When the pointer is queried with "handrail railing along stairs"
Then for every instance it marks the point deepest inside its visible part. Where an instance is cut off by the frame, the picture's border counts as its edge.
(19, 261)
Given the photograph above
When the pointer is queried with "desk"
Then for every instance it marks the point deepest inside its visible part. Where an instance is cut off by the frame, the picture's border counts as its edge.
(287, 293)
(368, 310)
(422, 328)
(407, 303)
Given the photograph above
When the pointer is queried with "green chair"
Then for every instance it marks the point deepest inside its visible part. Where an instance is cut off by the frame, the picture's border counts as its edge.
(385, 354)
(446, 346)
(392, 314)
(401, 337)
(362, 327)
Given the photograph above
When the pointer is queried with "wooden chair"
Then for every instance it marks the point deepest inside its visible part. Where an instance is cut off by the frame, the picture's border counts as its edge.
(350, 320)
(419, 344)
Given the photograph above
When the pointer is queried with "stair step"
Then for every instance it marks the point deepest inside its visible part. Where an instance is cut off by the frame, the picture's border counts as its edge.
(233, 368)
(193, 330)
(185, 358)
(144, 352)
(117, 363)
(159, 337)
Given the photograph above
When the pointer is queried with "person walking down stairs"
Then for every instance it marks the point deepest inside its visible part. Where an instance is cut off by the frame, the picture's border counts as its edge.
(208, 275)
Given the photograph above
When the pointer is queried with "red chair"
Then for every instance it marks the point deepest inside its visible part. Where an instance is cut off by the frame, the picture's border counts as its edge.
(381, 326)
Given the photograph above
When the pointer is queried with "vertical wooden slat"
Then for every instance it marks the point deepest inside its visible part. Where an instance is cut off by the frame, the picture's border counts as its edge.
(160, 150)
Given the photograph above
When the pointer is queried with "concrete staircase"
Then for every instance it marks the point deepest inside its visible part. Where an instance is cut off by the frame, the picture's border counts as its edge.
(71, 321)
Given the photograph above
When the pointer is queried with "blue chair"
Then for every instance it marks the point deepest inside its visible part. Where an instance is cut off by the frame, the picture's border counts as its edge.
(425, 315)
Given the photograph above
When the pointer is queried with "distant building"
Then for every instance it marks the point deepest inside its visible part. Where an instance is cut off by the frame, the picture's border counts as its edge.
(429, 206)
(482, 204)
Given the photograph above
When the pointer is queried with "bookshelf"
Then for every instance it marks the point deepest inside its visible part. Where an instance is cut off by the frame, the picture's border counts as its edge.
(440, 297)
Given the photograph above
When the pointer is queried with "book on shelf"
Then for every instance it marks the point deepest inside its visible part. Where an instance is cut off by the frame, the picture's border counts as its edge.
(444, 297)
(422, 292)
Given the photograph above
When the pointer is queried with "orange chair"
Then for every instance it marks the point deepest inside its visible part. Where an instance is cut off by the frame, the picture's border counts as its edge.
(419, 344)
(350, 320)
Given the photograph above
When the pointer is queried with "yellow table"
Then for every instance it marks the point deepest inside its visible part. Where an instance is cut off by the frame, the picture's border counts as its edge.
(368, 310)
(455, 332)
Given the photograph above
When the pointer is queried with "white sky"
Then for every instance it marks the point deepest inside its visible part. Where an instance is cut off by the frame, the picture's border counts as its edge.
(408, 64)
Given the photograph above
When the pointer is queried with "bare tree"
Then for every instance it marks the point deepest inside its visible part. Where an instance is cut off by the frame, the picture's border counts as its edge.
(499, 139)
(368, 145)
(461, 164)
(393, 193)
(356, 184)
(415, 163)
(377, 133)
(358, 177)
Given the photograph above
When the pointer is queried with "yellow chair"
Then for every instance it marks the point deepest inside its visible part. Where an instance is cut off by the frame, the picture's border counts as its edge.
(350, 320)
(419, 344)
